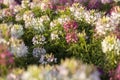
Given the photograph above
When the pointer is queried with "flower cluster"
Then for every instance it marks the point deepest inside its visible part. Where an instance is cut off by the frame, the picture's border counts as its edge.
(17, 47)
(115, 74)
(68, 70)
(25, 3)
(16, 31)
(36, 23)
(81, 13)
(108, 23)
(38, 40)
(111, 43)
(47, 59)
(55, 26)
(10, 35)
(27, 17)
(38, 52)
(46, 26)
(70, 28)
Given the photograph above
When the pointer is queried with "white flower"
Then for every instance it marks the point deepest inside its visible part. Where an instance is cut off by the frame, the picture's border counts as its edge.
(82, 75)
(106, 1)
(63, 71)
(111, 43)
(18, 17)
(18, 48)
(3, 41)
(105, 25)
(37, 52)
(44, 18)
(54, 35)
(25, 3)
(11, 76)
(94, 76)
(27, 16)
(43, 6)
(17, 31)
(17, 8)
(63, 19)
(38, 39)
(7, 2)
(26, 76)
(37, 24)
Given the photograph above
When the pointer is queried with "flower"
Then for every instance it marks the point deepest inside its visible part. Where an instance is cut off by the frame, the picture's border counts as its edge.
(94, 4)
(115, 74)
(38, 40)
(106, 1)
(17, 8)
(18, 48)
(6, 58)
(63, 19)
(54, 35)
(25, 3)
(28, 17)
(37, 52)
(71, 37)
(8, 2)
(111, 43)
(7, 12)
(70, 26)
(38, 23)
(54, 23)
(16, 31)
(67, 70)
(106, 24)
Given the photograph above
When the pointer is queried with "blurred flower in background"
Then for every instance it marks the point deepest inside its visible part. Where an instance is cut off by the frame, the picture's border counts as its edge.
(67, 70)
(94, 4)
(115, 74)
(6, 58)
(106, 1)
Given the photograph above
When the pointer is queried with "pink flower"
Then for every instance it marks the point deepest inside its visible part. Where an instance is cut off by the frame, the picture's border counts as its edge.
(115, 74)
(6, 57)
(12, 5)
(114, 9)
(71, 37)
(62, 1)
(2, 55)
(11, 60)
(1, 1)
(106, 1)
(70, 26)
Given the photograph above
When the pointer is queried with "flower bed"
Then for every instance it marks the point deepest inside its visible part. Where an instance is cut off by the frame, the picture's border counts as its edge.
(48, 31)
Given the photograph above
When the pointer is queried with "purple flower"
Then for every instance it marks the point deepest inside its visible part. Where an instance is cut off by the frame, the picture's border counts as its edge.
(94, 4)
